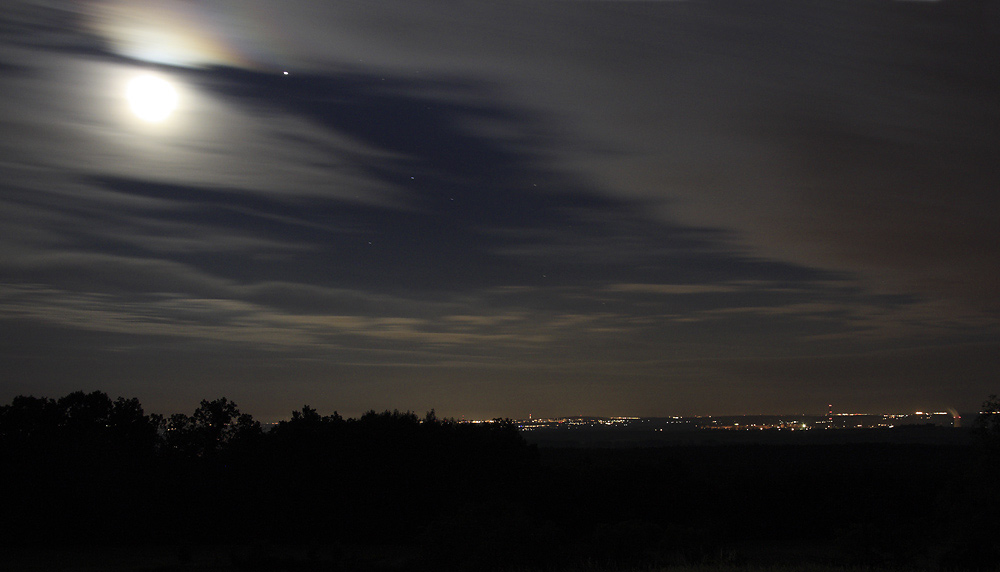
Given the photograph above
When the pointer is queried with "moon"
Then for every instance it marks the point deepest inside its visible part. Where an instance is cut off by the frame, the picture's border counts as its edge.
(151, 98)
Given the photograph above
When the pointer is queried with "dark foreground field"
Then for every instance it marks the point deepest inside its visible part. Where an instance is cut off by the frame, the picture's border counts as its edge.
(95, 485)
(225, 559)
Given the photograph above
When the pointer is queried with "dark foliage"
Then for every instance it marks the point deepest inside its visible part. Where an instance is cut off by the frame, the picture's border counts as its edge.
(391, 490)
(986, 427)
(84, 469)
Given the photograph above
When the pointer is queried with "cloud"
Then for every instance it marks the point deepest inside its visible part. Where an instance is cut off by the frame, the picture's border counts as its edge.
(598, 195)
(670, 289)
(800, 130)
(230, 321)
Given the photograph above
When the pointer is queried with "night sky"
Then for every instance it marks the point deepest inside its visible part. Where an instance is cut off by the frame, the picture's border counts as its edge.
(503, 208)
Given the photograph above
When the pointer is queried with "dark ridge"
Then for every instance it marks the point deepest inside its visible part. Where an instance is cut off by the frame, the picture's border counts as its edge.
(99, 480)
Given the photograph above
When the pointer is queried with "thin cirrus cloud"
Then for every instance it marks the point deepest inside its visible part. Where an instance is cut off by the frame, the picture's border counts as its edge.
(670, 289)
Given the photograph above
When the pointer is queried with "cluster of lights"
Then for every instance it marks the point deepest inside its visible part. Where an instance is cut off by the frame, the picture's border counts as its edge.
(843, 420)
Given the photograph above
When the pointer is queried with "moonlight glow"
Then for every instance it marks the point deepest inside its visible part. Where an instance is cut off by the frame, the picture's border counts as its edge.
(151, 98)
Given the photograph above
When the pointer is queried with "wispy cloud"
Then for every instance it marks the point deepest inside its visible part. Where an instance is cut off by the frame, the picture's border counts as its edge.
(596, 194)
(671, 289)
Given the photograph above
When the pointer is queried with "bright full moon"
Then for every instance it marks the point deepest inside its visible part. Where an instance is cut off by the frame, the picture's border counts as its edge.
(151, 98)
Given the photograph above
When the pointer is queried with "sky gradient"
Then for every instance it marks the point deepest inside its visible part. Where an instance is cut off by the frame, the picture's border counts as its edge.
(503, 208)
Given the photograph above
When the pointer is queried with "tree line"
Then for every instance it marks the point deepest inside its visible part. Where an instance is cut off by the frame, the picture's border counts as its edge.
(87, 469)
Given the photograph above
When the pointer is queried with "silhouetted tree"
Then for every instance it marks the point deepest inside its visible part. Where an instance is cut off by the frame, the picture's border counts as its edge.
(213, 426)
(81, 465)
(133, 433)
(85, 424)
(29, 423)
(308, 415)
(80, 425)
(987, 426)
(305, 423)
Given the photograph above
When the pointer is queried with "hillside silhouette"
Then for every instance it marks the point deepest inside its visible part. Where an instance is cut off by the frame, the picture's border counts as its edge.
(393, 490)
